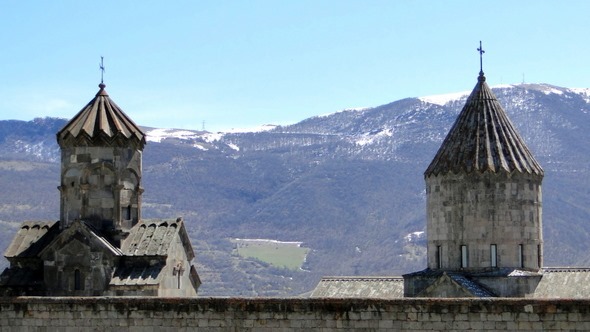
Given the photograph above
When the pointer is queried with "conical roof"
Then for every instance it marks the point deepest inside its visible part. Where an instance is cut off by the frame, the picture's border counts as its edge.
(101, 123)
(483, 139)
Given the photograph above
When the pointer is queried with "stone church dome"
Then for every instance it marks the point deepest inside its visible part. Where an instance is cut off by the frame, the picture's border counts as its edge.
(101, 123)
(483, 139)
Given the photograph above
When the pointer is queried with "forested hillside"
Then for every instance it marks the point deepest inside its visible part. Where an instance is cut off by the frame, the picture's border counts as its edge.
(348, 185)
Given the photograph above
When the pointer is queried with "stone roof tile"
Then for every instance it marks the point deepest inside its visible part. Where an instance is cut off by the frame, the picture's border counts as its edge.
(564, 282)
(483, 139)
(152, 238)
(101, 123)
(136, 275)
(360, 287)
(471, 286)
(31, 238)
(88, 232)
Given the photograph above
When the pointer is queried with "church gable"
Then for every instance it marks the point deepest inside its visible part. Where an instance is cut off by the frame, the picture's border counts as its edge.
(157, 252)
(85, 236)
(454, 285)
(78, 262)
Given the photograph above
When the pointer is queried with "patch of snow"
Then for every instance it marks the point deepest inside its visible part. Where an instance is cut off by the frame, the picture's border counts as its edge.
(233, 146)
(352, 109)
(584, 92)
(502, 86)
(200, 147)
(444, 98)
(369, 138)
(544, 88)
(212, 137)
(257, 129)
(552, 90)
(157, 135)
(414, 236)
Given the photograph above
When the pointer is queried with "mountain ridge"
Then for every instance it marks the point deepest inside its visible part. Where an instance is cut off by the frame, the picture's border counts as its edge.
(349, 185)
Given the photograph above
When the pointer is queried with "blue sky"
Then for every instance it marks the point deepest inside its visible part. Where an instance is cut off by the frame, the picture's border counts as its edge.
(239, 64)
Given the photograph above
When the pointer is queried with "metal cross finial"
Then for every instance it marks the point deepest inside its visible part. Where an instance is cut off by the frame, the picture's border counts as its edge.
(481, 52)
(101, 66)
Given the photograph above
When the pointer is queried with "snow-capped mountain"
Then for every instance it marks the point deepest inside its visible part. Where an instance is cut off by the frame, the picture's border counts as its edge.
(349, 185)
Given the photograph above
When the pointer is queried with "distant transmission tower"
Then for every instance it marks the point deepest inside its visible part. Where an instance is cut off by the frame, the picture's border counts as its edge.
(203, 126)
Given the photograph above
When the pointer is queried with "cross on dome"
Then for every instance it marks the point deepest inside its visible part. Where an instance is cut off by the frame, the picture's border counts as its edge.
(481, 52)
(101, 66)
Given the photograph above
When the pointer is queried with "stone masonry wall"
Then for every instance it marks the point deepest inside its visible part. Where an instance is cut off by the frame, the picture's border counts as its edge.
(480, 210)
(278, 314)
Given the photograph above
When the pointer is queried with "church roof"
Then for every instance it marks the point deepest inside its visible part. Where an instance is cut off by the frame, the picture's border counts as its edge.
(483, 139)
(31, 238)
(453, 284)
(101, 123)
(154, 238)
(360, 287)
(470, 286)
(137, 275)
(565, 282)
(83, 232)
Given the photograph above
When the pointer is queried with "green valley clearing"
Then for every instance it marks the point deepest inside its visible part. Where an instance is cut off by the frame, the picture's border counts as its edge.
(289, 255)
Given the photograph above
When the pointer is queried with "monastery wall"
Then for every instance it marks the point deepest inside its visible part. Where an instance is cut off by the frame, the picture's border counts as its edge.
(290, 314)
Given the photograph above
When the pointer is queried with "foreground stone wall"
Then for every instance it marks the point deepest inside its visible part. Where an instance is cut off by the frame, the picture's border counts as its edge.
(275, 314)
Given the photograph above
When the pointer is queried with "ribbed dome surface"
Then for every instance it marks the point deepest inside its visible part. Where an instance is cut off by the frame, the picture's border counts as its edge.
(483, 139)
(101, 123)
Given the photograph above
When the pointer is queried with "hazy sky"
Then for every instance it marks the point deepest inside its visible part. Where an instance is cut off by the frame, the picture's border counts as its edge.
(236, 64)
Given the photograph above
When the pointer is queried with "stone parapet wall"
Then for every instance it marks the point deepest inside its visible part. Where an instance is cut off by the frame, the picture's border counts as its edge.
(290, 314)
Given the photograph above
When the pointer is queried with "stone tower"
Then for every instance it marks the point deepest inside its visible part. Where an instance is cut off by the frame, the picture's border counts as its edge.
(484, 193)
(101, 153)
(484, 215)
(101, 246)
